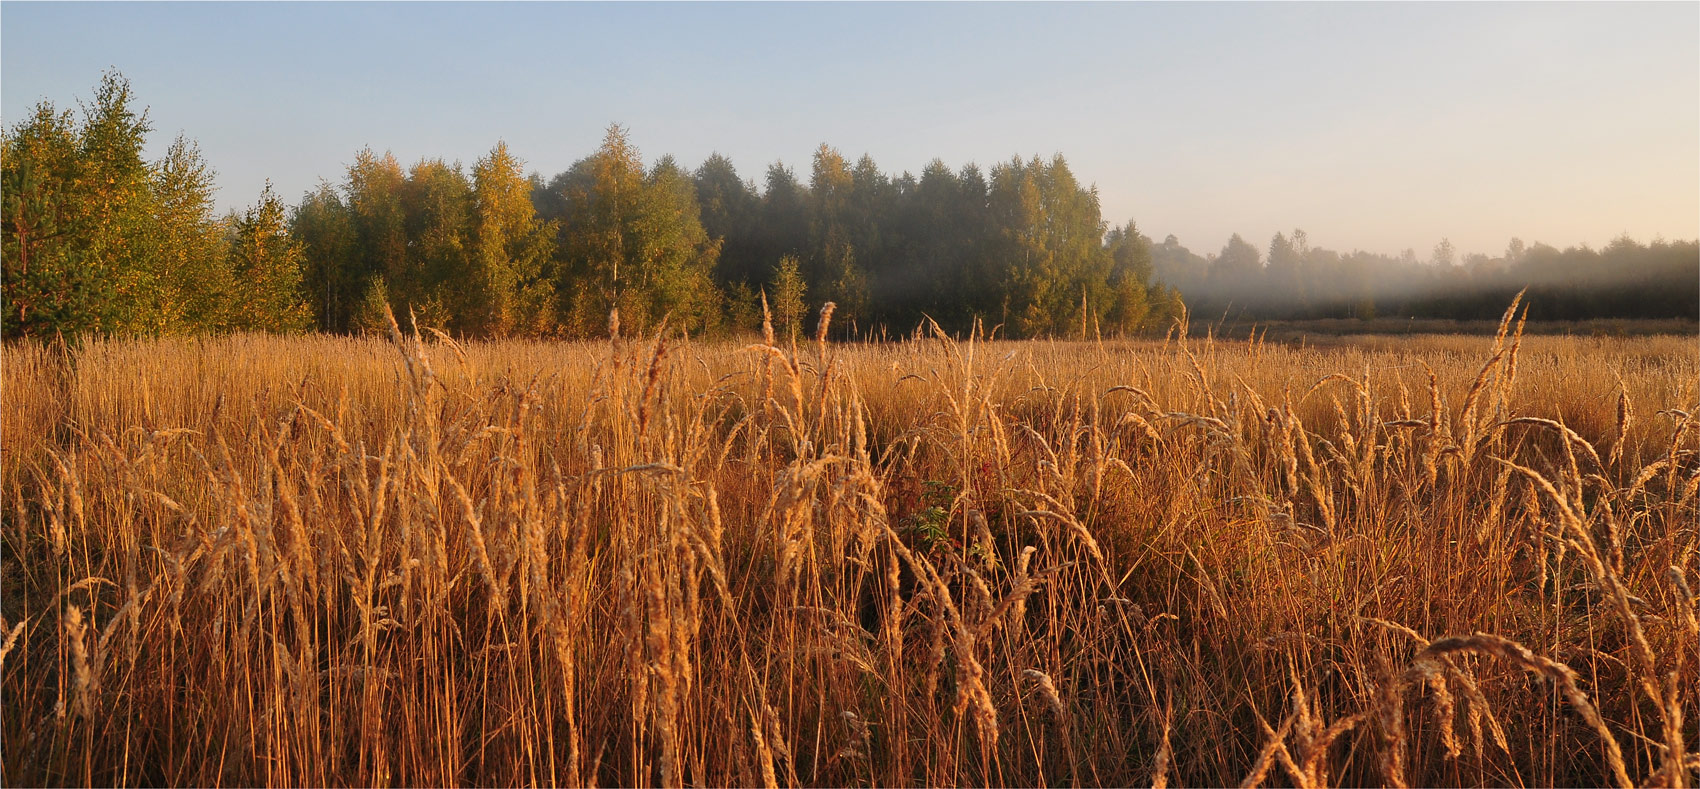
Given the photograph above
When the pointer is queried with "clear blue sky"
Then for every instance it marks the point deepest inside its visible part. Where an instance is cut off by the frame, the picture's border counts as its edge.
(1373, 126)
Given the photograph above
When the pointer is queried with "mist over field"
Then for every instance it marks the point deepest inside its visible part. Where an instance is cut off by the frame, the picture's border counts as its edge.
(1293, 280)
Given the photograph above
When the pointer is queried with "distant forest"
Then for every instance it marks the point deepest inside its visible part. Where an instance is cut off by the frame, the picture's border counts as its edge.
(1294, 280)
(99, 240)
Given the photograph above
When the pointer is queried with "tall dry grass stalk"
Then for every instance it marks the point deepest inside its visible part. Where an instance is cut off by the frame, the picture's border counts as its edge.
(314, 561)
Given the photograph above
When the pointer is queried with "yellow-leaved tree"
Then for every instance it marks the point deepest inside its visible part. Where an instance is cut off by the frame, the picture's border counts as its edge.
(510, 290)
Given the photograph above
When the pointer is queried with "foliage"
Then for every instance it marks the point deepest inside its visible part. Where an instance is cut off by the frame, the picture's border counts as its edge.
(509, 288)
(631, 240)
(97, 240)
(47, 287)
(789, 291)
(372, 315)
(198, 282)
(334, 276)
(373, 188)
(267, 267)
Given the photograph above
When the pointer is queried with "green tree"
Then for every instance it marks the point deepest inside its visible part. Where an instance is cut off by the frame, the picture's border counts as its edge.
(1514, 250)
(1050, 246)
(100, 240)
(743, 307)
(783, 227)
(48, 286)
(1285, 273)
(632, 240)
(266, 266)
(372, 313)
(1238, 262)
(928, 270)
(684, 256)
(437, 203)
(870, 224)
(373, 189)
(972, 239)
(333, 282)
(113, 209)
(1445, 254)
(730, 209)
(831, 267)
(1129, 308)
(1236, 275)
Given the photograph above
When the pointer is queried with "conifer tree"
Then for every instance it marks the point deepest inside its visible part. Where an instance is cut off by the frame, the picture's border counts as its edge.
(372, 313)
(48, 286)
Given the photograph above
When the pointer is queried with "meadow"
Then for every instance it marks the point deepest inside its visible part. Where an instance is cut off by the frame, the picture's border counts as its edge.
(1428, 560)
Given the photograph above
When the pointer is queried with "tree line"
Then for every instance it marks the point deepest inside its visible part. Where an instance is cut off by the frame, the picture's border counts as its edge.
(1294, 280)
(497, 253)
(96, 239)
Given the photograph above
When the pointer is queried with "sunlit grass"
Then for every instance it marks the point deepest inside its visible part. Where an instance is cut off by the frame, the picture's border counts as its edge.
(317, 561)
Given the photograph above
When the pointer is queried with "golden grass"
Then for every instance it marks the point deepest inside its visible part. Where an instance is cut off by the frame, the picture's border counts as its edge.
(318, 561)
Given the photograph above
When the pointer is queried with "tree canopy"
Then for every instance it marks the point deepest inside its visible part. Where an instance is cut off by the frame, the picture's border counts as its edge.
(96, 239)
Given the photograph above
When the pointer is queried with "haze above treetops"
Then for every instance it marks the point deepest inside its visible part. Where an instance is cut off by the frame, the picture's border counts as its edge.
(1380, 127)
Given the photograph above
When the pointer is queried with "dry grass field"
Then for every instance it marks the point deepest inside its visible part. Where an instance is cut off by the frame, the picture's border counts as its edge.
(331, 561)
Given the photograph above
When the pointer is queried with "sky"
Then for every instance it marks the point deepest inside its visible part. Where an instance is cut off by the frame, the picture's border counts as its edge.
(1374, 126)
